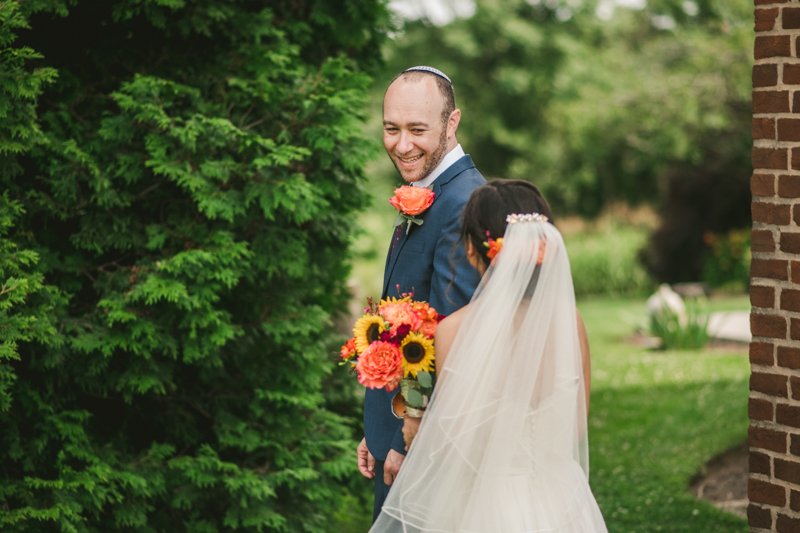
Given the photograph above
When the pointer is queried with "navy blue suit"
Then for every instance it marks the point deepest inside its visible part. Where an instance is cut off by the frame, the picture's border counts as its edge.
(424, 261)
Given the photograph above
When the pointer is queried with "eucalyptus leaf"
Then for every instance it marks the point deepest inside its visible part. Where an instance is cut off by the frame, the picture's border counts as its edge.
(414, 398)
(425, 379)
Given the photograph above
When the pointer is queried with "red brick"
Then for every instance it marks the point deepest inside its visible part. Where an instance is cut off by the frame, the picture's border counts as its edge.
(763, 297)
(794, 333)
(791, 18)
(766, 75)
(762, 241)
(763, 128)
(789, 357)
(761, 353)
(770, 158)
(760, 410)
(794, 500)
(768, 268)
(768, 326)
(763, 492)
(769, 213)
(795, 383)
(787, 470)
(791, 74)
(790, 299)
(771, 384)
(790, 243)
(772, 46)
(762, 185)
(795, 267)
(788, 186)
(787, 415)
(759, 463)
(789, 129)
(767, 439)
(765, 18)
(770, 101)
(757, 516)
(787, 524)
(764, 2)
(796, 153)
(795, 445)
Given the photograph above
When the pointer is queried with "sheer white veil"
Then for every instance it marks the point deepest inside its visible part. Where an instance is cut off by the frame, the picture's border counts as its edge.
(503, 445)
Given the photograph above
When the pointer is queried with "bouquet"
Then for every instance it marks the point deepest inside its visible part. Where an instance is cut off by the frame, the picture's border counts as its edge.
(392, 346)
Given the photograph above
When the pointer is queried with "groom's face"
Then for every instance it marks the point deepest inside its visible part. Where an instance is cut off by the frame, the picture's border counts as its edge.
(414, 135)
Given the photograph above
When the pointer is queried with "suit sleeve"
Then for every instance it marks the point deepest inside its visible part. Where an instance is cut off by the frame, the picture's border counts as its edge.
(398, 443)
(447, 297)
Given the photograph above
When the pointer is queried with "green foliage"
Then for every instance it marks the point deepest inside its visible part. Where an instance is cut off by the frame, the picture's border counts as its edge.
(689, 332)
(173, 243)
(727, 264)
(595, 111)
(604, 260)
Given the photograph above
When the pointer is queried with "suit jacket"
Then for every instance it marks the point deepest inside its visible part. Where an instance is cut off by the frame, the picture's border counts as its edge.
(424, 260)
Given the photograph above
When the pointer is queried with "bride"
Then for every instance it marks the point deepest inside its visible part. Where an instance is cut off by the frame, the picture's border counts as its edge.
(502, 447)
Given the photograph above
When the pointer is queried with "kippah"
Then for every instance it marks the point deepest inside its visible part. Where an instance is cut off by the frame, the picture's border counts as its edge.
(423, 68)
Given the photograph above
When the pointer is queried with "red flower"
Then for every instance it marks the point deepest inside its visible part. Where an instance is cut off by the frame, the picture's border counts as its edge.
(380, 365)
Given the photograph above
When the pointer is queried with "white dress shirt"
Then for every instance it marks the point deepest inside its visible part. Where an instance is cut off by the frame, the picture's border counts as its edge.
(452, 156)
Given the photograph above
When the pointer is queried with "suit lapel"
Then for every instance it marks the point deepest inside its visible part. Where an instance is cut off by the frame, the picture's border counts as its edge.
(448, 175)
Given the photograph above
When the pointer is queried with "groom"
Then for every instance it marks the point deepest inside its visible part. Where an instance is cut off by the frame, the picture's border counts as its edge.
(419, 133)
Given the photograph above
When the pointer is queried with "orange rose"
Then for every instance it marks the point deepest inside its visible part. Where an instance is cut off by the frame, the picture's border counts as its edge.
(380, 365)
(428, 328)
(425, 311)
(494, 247)
(412, 200)
(348, 350)
(399, 314)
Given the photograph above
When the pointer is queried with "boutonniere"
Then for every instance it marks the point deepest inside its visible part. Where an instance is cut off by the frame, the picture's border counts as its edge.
(411, 201)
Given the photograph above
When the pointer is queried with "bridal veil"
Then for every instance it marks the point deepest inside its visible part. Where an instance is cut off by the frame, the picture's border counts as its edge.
(503, 445)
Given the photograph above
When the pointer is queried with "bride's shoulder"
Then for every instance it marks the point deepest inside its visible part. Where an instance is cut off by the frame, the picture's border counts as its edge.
(449, 325)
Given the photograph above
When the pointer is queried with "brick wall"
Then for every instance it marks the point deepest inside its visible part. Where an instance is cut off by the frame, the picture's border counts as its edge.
(774, 408)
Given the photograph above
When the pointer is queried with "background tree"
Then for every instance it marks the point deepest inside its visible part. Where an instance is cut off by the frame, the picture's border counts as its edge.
(597, 104)
(173, 241)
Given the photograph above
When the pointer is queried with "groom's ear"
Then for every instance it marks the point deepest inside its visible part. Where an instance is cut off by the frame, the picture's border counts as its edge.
(452, 122)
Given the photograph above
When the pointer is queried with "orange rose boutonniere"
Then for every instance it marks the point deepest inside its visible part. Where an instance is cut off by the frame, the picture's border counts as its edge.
(411, 201)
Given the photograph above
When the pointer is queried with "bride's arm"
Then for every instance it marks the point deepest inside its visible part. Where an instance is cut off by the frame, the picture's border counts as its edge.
(442, 341)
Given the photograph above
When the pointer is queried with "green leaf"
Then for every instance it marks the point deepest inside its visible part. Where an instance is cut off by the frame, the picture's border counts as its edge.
(425, 379)
(414, 398)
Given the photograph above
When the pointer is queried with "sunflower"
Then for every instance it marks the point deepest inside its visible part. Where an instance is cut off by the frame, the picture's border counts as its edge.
(392, 300)
(417, 351)
(367, 330)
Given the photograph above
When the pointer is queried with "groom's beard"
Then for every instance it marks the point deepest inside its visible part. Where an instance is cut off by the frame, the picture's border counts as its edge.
(433, 161)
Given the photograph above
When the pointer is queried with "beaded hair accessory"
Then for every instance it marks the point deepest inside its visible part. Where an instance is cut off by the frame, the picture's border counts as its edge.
(526, 217)
(423, 68)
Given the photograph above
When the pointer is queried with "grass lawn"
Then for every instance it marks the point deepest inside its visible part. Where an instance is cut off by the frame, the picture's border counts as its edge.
(655, 418)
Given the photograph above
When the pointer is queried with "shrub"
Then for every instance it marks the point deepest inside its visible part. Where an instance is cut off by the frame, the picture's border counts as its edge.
(727, 262)
(681, 333)
(179, 179)
(605, 261)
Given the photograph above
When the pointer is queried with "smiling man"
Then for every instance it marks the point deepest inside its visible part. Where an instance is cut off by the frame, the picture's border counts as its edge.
(419, 133)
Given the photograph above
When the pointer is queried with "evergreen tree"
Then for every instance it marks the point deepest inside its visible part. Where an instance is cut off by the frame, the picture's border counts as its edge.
(179, 177)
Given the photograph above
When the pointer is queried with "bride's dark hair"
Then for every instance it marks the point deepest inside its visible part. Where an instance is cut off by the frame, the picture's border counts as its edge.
(488, 207)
